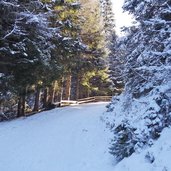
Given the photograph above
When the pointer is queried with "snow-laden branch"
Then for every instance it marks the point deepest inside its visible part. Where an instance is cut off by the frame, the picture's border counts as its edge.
(153, 68)
(140, 75)
(11, 32)
(8, 4)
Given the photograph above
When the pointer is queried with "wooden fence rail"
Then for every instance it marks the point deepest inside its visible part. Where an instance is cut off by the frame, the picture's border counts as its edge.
(63, 103)
(86, 100)
(103, 98)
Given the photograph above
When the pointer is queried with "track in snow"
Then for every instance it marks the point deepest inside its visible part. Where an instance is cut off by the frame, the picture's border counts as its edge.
(64, 139)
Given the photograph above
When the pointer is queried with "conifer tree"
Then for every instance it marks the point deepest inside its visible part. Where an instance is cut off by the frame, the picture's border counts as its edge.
(146, 75)
(114, 61)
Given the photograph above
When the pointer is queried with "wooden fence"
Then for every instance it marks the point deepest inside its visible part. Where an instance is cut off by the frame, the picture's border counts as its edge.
(64, 103)
(86, 100)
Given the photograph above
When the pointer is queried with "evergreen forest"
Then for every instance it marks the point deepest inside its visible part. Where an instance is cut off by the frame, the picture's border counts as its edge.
(67, 50)
(52, 51)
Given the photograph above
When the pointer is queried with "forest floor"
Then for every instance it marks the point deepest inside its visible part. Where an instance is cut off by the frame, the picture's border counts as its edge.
(64, 139)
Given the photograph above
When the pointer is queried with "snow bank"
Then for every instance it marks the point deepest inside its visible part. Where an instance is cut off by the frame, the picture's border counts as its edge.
(137, 126)
(155, 158)
(141, 141)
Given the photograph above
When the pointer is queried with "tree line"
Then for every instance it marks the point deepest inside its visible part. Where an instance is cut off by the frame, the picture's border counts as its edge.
(51, 50)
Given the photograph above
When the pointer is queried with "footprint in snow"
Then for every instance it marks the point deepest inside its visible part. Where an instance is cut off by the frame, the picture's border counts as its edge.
(84, 130)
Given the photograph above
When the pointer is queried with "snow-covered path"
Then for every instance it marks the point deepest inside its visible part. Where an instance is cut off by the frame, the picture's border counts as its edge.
(66, 139)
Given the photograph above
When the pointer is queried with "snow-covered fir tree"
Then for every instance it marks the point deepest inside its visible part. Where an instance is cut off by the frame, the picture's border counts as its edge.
(44, 47)
(111, 49)
(32, 44)
(145, 102)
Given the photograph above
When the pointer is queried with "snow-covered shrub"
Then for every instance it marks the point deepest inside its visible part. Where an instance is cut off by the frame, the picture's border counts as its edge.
(157, 120)
(123, 142)
(128, 139)
(110, 106)
(137, 123)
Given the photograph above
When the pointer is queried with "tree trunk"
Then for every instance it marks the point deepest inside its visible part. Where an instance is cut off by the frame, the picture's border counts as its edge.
(78, 87)
(21, 104)
(88, 92)
(62, 89)
(37, 99)
(45, 97)
(19, 110)
(52, 93)
(68, 87)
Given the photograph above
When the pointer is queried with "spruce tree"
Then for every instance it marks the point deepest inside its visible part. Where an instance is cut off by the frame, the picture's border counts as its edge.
(146, 75)
(114, 62)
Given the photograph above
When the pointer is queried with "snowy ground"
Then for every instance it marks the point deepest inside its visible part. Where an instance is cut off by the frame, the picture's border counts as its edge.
(66, 139)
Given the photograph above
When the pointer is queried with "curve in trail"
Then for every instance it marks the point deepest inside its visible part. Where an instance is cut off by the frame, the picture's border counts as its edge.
(66, 139)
